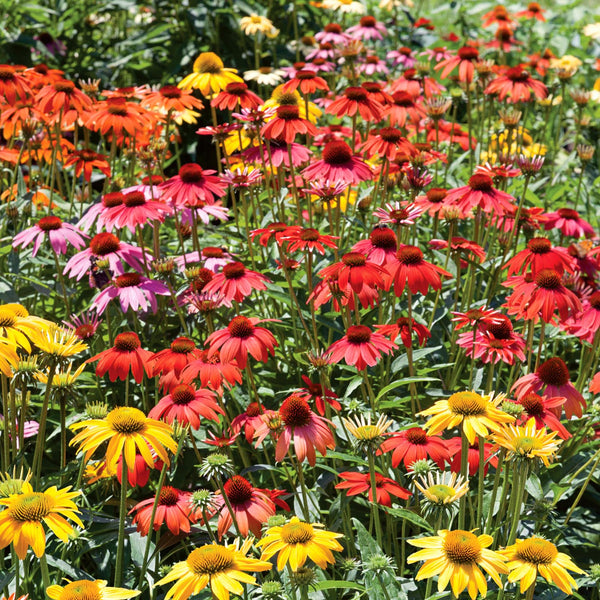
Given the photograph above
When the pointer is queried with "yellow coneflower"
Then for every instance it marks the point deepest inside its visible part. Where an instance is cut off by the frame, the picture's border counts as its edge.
(63, 378)
(21, 520)
(17, 325)
(296, 541)
(526, 558)
(457, 557)
(84, 589)
(350, 7)
(125, 428)
(281, 97)
(476, 413)
(57, 342)
(9, 359)
(528, 442)
(223, 568)
(442, 488)
(209, 75)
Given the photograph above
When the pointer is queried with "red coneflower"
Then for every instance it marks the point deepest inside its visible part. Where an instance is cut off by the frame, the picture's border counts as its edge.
(552, 379)
(236, 96)
(174, 509)
(171, 99)
(376, 91)
(170, 362)
(236, 282)
(301, 425)
(249, 420)
(543, 410)
(539, 255)
(413, 270)
(465, 60)
(140, 473)
(533, 11)
(13, 85)
(125, 355)
(454, 447)
(338, 164)
(186, 404)
(85, 161)
(405, 327)
(356, 100)
(308, 82)
(498, 16)
(251, 506)
(359, 483)
(569, 222)
(62, 99)
(404, 108)
(360, 347)
(320, 394)
(587, 322)
(388, 142)
(475, 317)
(274, 231)
(517, 85)
(193, 186)
(211, 372)
(308, 240)
(380, 248)
(286, 124)
(414, 444)
(240, 338)
(480, 193)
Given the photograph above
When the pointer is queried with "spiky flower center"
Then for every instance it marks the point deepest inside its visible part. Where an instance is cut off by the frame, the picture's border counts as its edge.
(253, 409)
(462, 547)
(309, 235)
(548, 279)
(104, 243)
(333, 28)
(403, 99)
(81, 590)
(436, 195)
(234, 270)
(236, 88)
(410, 255)
(182, 345)
(358, 334)
(212, 252)
(354, 259)
(595, 300)
(481, 182)
(288, 112)
(238, 490)
(384, 238)
(536, 551)
(127, 341)
(168, 496)
(117, 106)
(390, 135)
(210, 560)
(356, 93)
(208, 62)
(170, 91)
(337, 152)
(7, 73)
(112, 199)
(554, 372)
(128, 280)
(416, 435)
(297, 533)
(467, 404)
(132, 199)
(183, 394)
(468, 53)
(191, 173)
(49, 223)
(501, 330)
(126, 420)
(539, 245)
(64, 85)
(241, 327)
(517, 74)
(31, 507)
(568, 213)
(295, 411)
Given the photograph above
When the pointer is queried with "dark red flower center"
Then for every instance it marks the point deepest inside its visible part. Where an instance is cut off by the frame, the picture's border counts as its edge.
(85, 331)
(309, 235)
(170, 91)
(113, 199)
(503, 34)
(468, 53)
(539, 245)
(49, 223)
(371, 86)
(436, 195)
(182, 345)
(403, 99)
(548, 279)
(117, 106)
(305, 74)
(481, 182)
(212, 252)
(295, 411)
(191, 173)
(384, 238)
(368, 21)
(358, 334)
(234, 270)
(595, 300)
(288, 112)
(354, 259)
(87, 155)
(320, 61)
(104, 243)
(168, 496)
(399, 214)
(416, 435)
(183, 394)
(534, 7)
(405, 51)
(153, 180)
(238, 490)
(64, 86)
(236, 88)
(372, 59)
(554, 372)
(410, 255)
(533, 405)
(568, 213)
(337, 152)
(390, 135)
(203, 276)
(7, 73)
(517, 74)
(128, 280)
(357, 94)
(240, 327)
(501, 330)
(132, 199)
(127, 341)
(253, 409)
(332, 28)
(298, 66)
(410, 74)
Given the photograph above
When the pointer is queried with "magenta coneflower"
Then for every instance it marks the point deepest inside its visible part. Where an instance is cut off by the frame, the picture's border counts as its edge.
(569, 222)
(333, 34)
(278, 153)
(338, 164)
(133, 291)
(84, 326)
(398, 215)
(57, 232)
(135, 211)
(235, 282)
(367, 29)
(360, 347)
(587, 322)
(110, 200)
(193, 186)
(403, 56)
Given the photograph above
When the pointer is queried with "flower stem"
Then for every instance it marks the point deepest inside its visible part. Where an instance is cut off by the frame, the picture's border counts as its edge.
(122, 513)
(464, 471)
(378, 533)
(41, 438)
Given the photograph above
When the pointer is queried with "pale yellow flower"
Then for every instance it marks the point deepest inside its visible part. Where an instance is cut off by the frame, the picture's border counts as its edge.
(256, 24)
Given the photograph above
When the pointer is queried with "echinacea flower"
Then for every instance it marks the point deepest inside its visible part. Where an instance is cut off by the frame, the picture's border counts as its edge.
(355, 101)
(308, 239)
(405, 328)
(211, 372)
(480, 193)
(339, 164)
(222, 568)
(314, 390)
(516, 85)
(85, 161)
(539, 254)
(23, 515)
(58, 233)
(414, 444)
(454, 447)
(442, 489)
(465, 60)
(286, 124)
(307, 81)
(458, 557)
(13, 85)
(296, 541)
(412, 270)
(236, 282)
(359, 483)
(17, 326)
(404, 109)
(569, 223)
(134, 212)
(193, 186)
(360, 347)
(209, 75)
(84, 589)
(543, 410)
(533, 556)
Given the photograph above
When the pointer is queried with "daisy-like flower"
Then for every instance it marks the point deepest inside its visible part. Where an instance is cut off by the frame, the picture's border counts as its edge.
(380, 248)
(308, 240)
(170, 99)
(338, 164)
(126, 354)
(516, 85)
(527, 442)
(252, 507)
(236, 96)
(398, 215)
(249, 420)
(307, 82)
(17, 326)
(320, 394)
(552, 379)
(222, 568)
(569, 223)
(356, 101)
(134, 212)
(23, 515)
(414, 444)
(388, 142)
(254, 24)
(368, 28)
(119, 117)
(211, 371)
(442, 489)
(58, 233)
(360, 347)
(368, 436)
(477, 414)
(57, 342)
(359, 483)
(265, 76)
(193, 186)
(405, 328)
(169, 363)
(236, 282)
(174, 510)
(286, 124)
(465, 60)
(85, 161)
(458, 557)
(480, 193)
(125, 428)
(414, 271)
(530, 557)
(84, 589)
(209, 75)
(539, 254)
(133, 291)
(404, 109)
(13, 85)
(301, 425)
(296, 541)
(543, 411)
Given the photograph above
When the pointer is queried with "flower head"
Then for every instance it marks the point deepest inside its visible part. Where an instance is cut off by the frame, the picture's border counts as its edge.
(209, 75)
(85, 589)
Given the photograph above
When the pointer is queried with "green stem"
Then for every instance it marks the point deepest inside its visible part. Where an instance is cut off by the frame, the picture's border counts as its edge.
(375, 506)
(41, 438)
(122, 513)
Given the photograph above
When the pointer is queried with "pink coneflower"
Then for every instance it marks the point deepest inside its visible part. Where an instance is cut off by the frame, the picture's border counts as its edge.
(57, 232)
(286, 124)
(242, 178)
(360, 347)
(307, 239)
(110, 200)
(235, 282)
(359, 483)
(539, 255)
(106, 246)
(320, 394)
(516, 85)
(367, 29)
(413, 270)
(251, 506)
(587, 322)
(437, 54)
(372, 65)
(402, 57)
(278, 153)
(338, 164)
(398, 215)
(543, 410)
(480, 193)
(414, 444)
(133, 291)
(193, 186)
(186, 404)
(380, 248)
(405, 328)
(249, 420)
(404, 109)
(465, 60)
(84, 326)
(552, 379)
(211, 372)
(204, 213)
(569, 222)
(433, 202)
(240, 338)
(356, 101)
(135, 211)
(333, 34)
(301, 425)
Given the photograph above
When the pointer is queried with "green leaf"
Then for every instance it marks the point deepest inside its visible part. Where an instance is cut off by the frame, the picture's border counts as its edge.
(338, 584)
(408, 515)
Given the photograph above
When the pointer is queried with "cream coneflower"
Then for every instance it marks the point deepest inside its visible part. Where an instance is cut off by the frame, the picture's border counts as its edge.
(476, 413)
(367, 434)
(527, 442)
(456, 556)
(526, 558)
(256, 24)
(442, 488)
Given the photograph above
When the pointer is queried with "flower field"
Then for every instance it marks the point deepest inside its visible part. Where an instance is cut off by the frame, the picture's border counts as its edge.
(311, 311)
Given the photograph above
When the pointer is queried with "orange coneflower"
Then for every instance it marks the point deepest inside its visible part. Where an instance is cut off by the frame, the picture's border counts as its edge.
(119, 117)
